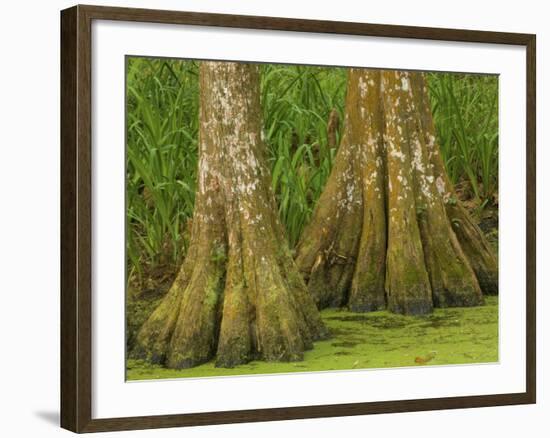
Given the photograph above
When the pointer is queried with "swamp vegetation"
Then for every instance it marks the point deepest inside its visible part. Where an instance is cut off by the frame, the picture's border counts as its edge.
(233, 169)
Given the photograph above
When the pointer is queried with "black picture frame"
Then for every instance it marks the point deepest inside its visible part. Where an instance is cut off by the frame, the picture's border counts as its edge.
(76, 218)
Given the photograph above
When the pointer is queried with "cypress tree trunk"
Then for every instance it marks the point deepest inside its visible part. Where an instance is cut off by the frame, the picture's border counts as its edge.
(381, 234)
(238, 295)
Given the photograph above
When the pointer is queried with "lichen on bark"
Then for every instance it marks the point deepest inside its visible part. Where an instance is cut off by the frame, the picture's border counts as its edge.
(238, 295)
(384, 233)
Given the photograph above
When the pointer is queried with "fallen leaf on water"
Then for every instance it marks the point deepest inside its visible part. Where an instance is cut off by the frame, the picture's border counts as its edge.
(423, 360)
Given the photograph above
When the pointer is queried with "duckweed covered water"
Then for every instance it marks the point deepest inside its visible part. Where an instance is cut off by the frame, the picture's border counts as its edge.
(373, 340)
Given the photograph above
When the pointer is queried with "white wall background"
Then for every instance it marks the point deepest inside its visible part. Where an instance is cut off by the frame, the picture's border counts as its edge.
(29, 219)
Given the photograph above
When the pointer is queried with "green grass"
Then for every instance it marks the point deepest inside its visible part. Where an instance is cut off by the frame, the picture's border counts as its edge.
(374, 340)
(296, 104)
(162, 131)
(465, 109)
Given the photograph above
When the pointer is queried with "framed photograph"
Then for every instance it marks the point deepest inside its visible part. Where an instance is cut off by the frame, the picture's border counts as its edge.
(270, 218)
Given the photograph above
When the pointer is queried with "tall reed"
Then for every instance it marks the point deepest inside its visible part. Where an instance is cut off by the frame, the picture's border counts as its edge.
(465, 109)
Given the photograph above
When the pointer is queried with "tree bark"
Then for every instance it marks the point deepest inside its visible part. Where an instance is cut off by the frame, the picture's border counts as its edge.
(381, 233)
(238, 295)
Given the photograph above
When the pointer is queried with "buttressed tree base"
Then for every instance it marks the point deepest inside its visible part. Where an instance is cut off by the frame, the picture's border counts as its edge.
(239, 295)
(388, 230)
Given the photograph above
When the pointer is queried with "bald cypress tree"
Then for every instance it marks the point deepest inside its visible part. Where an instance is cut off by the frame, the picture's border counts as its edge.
(388, 230)
(238, 295)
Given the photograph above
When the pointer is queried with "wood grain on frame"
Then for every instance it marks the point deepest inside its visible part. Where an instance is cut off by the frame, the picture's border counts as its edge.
(76, 174)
